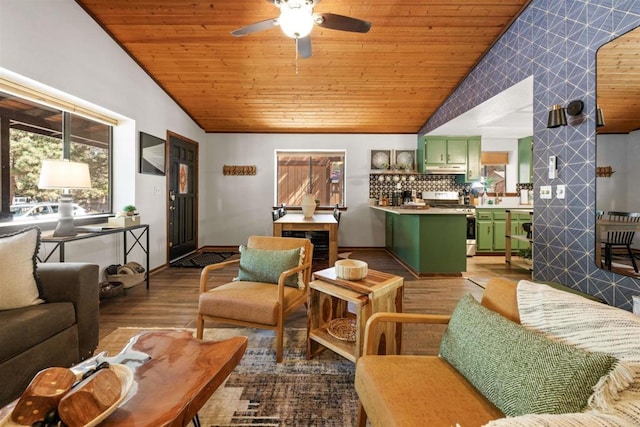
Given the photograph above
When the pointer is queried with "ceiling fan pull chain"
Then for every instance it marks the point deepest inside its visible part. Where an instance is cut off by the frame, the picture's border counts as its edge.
(296, 55)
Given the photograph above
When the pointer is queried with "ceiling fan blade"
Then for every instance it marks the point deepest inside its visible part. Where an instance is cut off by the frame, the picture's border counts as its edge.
(255, 27)
(304, 47)
(342, 23)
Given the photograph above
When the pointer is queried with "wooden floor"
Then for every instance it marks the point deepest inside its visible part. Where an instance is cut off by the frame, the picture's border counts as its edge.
(171, 301)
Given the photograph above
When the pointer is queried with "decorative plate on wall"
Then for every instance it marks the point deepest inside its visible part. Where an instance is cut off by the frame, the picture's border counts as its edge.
(405, 159)
(380, 159)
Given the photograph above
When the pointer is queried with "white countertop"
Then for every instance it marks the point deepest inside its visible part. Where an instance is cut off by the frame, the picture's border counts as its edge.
(417, 211)
(505, 206)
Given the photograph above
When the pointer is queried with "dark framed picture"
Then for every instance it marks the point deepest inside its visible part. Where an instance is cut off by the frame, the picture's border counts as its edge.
(405, 159)
(380, 159)
(151, 154)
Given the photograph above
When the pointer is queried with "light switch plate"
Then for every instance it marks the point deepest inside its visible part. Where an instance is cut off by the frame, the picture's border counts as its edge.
(553, 167)
(545, 192)
(560, 191)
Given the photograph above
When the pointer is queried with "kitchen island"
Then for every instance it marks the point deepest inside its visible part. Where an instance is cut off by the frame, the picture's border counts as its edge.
(430, 242)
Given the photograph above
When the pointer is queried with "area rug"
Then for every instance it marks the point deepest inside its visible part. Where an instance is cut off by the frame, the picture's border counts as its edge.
(202, 259)
(260, 392)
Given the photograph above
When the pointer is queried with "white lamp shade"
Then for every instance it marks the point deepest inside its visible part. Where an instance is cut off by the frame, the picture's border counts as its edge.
(296, 22)
(64, 174)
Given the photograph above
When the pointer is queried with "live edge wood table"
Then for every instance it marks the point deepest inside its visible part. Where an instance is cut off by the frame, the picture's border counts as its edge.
(332, 298)
(181, 375)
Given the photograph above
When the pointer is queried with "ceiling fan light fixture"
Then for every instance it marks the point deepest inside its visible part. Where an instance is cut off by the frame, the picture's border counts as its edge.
(296, 22)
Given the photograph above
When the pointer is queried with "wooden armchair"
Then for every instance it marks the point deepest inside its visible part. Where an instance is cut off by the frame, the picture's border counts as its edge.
(256, 304)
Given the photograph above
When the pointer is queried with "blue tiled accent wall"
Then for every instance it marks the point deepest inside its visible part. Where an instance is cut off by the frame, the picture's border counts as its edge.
(556, 42)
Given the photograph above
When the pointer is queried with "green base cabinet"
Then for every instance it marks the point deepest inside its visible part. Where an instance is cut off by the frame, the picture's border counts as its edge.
(491, 230)
(428, 244)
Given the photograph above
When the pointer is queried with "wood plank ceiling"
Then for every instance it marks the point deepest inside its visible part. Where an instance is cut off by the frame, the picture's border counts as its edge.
(390, 80)
(618, 83)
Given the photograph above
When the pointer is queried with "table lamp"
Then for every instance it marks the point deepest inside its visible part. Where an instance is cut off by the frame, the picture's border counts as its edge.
(64, 175)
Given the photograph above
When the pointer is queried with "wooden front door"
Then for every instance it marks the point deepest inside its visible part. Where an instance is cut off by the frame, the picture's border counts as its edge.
(182, 215)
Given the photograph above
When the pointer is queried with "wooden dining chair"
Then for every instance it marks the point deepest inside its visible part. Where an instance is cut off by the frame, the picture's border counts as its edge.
(620, 239)
(271, 284)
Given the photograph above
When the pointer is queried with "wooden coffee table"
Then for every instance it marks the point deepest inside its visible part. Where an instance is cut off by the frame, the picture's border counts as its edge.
(171, 387)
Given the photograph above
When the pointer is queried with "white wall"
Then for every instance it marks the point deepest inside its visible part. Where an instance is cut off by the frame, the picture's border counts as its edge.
(234, 207)
(55, 44)
(613, 192)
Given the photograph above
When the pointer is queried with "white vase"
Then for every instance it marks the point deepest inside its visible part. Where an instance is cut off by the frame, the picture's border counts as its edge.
(308, 205)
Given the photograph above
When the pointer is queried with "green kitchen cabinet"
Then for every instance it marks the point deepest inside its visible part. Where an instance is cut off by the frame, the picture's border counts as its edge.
(491, 230)
(388, 232)
(484, 235)
(428, 244)
(525, 160)
(474, 166)
(443, 151)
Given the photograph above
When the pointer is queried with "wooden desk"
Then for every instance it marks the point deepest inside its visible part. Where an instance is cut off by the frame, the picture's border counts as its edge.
(170, 388)
(318, 222)
(137, 232)
(604, 226)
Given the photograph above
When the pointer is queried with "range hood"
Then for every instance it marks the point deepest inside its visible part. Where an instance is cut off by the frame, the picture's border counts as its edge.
(445, 170)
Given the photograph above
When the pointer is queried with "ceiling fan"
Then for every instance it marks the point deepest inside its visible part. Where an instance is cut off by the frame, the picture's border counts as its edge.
(297, 20)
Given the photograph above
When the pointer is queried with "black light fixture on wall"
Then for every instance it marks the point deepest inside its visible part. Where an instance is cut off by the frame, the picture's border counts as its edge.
(599, 117)
(558, 117)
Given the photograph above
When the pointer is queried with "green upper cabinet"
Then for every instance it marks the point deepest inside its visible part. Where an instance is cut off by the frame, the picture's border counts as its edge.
(448, 151)
(473, 160)
(525, 160)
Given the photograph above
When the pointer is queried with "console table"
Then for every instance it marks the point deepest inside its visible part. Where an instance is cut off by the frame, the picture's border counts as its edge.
(136, 232)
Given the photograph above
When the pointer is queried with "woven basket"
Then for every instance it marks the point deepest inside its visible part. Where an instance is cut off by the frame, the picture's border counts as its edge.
(127, 280)
(111, 290)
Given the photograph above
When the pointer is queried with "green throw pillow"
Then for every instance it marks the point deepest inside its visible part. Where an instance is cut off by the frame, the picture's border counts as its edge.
(266, 265)
(519, 370)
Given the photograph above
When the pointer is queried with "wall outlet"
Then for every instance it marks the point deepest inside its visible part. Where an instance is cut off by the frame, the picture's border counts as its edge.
(545, 192)
(560, 191)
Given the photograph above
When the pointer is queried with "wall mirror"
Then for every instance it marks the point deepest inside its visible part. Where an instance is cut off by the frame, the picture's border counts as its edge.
(618, 152)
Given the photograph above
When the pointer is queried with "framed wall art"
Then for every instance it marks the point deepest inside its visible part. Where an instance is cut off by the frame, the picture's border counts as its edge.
(380, 159)
(404, 159)
(152, 153)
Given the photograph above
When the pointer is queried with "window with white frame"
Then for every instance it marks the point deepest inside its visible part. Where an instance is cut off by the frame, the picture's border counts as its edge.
(30, 133)
(318, 172)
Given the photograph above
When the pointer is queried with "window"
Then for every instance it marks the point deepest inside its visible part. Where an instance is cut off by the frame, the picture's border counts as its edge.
(318, 172)
(31, 133)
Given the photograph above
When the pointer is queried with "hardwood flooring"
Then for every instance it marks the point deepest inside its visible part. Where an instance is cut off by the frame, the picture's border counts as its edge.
(172, 300)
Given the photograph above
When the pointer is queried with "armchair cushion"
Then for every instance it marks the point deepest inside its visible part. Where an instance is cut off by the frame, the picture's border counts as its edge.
(266, 265)
(19, 285)
(260, 305)
(519, 370)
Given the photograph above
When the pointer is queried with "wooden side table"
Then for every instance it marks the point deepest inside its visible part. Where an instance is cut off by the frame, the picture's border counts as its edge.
(333, 298)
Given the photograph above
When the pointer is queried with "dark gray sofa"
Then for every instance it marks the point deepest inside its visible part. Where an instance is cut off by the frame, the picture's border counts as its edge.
(60, 332)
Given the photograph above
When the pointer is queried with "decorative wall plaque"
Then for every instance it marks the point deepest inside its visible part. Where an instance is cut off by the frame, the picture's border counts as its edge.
(239, 170)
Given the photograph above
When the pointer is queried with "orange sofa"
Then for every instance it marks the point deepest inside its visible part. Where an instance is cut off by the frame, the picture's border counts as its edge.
(418, 390)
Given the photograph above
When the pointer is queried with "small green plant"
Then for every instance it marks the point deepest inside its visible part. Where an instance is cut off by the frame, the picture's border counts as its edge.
(130, 209)
(525, 253)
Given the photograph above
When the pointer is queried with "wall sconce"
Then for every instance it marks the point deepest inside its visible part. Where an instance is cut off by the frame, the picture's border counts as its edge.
(599, 117)
(557, 116)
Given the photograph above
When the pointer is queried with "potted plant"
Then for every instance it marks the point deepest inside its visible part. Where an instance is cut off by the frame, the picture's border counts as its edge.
(130, 210)
(526, 254)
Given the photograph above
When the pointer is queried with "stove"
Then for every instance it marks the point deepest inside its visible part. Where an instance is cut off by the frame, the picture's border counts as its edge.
(450, 200)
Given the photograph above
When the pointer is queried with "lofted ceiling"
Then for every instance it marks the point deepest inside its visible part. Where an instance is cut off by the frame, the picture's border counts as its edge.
(389, 80)
(618, 83)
